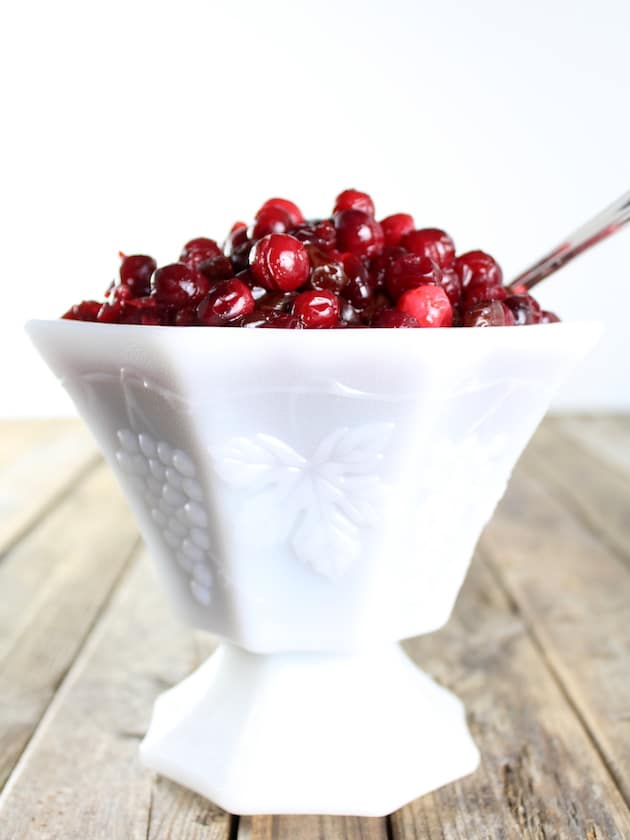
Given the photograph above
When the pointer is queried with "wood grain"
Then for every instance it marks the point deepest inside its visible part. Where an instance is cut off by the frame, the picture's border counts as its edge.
(47, 467)
(541, 776)
(312, 828)
(574, 593)
(53, 585)
(607, 436)
(80, 778)
(595, 490)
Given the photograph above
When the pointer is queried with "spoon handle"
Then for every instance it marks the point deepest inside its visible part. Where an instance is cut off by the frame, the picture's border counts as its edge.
(601, 226)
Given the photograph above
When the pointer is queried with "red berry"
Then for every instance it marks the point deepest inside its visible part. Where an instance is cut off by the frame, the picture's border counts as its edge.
(358, 233)
(396, 227)
(178, 285)
(409, 271)
(359, 287)
(229, 301)
(394, 318)
(317, 310)
(491, 314)
(477, 266)
(110, 313)
(378, 265)
(282, 321)
(429, 305)
(452, 285)
(525, 309)
(321, 234)
(87, 310)
(481, 291)
(270, 219)
(279, 262)
(433, 243)
(135, 275)
(547, 317)
(276, 302)
(354, 200)
(198, 251)
(348, 314)
(327, 271)
(236, 237)
(186, 317)
(216, 269)
(292, 210)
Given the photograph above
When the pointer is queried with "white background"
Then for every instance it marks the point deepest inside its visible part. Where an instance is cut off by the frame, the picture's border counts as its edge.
(136, 126)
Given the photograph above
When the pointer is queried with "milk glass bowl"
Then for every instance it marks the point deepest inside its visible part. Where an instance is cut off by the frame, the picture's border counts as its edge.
(311, 498)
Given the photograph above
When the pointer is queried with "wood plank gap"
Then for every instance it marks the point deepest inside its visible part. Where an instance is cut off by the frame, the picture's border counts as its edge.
(610, 523)
(57, 685)
(48, 506)
(530, 627)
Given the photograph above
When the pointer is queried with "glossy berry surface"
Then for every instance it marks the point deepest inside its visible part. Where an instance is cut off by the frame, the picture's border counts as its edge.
(317, 310)
(228, 301)
(358, 233)
(429, 305)
(178, 285)
(396, 227)
(349, 271)
(433, 243)
(280, 262)
(354, 200)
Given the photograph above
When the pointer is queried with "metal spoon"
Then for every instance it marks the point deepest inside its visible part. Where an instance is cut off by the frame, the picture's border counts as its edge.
(601, 226)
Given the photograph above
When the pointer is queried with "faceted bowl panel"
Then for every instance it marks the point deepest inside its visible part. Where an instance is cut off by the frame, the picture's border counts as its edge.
(305, 490)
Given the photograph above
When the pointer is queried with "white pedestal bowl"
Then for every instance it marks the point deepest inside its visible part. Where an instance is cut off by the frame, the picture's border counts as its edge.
(312, 498)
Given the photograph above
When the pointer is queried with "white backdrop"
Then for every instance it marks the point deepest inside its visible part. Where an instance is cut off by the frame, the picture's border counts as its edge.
(135, 126)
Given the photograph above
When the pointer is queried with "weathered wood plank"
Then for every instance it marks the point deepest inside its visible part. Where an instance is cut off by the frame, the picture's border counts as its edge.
(606, 436)
(541, 776)
(46, 468)
(312, 828)
(53, 584)
(18, 436)
(596, 490)
(80, 778)
(575, 595)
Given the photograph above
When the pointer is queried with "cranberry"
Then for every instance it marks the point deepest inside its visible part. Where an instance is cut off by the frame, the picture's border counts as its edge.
(480, 291)
(409, 271)
(491, 314)
(283, 321)
(452, 285)
(292, 210)
(358, 233)
(431, 242)
(476, 266)
(319, 233)
(394, 318)
(235, 238)
(198, 251)
(547, 317)
(216, 269)
(186, 317)
(348, 314)
(270, 219)
(359, 287)
(135, 274)
(396, 227)
(276, 302)
(525, 309)
(380, 264)
(87, 310)
(429, 305)
(110, 313)
(254, 320)
(327, 271)
(379, 302)
(230, 300)
(178, 285)
(317, 309)
(279, 262)
(354, 200)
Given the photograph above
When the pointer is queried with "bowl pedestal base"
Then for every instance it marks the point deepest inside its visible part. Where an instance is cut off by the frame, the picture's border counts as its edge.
(319, 733)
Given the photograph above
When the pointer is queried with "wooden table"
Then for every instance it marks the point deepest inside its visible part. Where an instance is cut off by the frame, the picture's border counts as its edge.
(538, 648)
